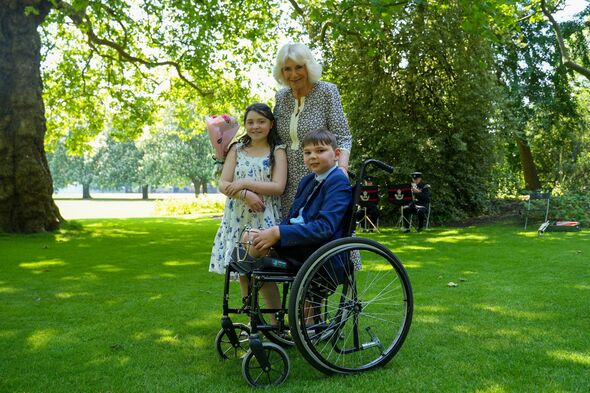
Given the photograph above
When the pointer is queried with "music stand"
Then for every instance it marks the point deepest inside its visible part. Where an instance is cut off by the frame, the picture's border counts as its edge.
(400, 195)
(368, 200)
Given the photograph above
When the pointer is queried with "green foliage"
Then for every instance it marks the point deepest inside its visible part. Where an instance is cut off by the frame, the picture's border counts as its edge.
(571, 207)
(445, 87)
(189, 149)
(67, 168)
(116, 58)
(58, 161)
(417, 103)
(205, 204)
(541, 108)
(30, 10)
(176, 151)
(118, 164)
(450, 87)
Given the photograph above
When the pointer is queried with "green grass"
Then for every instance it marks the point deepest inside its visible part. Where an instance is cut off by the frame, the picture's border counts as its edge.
(129, 306)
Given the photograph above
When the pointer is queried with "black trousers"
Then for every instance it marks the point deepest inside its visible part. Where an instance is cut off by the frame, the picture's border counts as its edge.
(420, 211)
(296, 256)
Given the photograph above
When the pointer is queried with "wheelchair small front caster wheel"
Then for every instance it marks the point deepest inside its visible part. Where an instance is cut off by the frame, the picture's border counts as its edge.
(228, 350)
(275, 374)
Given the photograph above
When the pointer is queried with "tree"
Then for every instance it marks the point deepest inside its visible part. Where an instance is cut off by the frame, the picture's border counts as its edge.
(118, 164)
(188, 157)
(581, 68)
(541, 113)
(25, 181)
(59, 165)
(68, 168)
(178, 151)
(199, 41)
(418, 93)
(411, 55)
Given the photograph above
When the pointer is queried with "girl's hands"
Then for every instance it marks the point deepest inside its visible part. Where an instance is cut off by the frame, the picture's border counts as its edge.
(253, 201)
(236, 186)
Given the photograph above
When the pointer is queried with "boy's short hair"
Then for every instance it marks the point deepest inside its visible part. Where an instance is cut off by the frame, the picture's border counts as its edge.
(321, 136)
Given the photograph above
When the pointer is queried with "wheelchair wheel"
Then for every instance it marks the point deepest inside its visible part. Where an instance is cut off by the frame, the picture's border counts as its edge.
(224, 347)
(277, 372)
(346, 319)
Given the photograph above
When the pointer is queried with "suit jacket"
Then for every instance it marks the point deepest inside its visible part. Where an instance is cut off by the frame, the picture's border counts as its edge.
(324, 213)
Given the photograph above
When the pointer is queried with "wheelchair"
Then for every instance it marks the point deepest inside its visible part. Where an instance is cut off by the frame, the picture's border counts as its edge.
(348, 309)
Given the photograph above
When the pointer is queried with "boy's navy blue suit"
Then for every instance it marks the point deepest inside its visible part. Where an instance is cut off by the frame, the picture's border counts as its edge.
(323, 213)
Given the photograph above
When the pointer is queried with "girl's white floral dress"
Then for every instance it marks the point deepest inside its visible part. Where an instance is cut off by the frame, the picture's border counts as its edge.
(236, 214)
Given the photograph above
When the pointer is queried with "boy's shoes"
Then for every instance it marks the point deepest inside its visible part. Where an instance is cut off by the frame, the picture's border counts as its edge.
(285, 335)
(419, 229)
(405, 230)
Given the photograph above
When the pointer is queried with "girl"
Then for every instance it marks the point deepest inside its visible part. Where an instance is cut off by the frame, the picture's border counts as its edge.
(253, 178)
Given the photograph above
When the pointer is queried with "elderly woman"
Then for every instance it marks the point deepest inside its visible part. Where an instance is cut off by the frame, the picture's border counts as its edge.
(303, 105)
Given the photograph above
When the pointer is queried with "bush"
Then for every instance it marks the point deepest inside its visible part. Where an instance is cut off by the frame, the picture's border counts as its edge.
(204, 204)
(573, 206)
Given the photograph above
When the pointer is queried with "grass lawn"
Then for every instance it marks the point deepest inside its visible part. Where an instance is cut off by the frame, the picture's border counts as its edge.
(128, 305)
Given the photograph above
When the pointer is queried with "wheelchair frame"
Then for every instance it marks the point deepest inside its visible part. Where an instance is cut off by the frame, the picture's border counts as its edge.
(350, 308)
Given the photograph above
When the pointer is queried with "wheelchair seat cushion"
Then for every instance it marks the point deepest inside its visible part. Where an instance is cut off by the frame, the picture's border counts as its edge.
(244, 263)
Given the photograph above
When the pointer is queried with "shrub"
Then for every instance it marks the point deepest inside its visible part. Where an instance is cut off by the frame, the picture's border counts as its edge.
(572, 206)
(204, 204)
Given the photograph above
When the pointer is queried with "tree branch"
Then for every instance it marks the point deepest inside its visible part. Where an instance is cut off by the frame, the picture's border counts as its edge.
(565, 57)
(303, 16)
(81, 21)
(297, 8)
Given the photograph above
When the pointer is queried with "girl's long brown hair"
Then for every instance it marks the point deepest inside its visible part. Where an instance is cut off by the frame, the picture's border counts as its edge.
(273, 137)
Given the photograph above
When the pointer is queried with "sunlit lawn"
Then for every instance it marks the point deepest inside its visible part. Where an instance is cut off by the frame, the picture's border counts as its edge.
(129, 306)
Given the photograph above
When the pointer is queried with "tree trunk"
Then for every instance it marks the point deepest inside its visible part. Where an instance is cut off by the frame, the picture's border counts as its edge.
(196, 186)
(26, 188)
(204, 186)
(529, 169)
(86, 191)
(144, 192)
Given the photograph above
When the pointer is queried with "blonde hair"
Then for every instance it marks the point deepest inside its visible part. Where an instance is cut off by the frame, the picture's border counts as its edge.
(301, 55)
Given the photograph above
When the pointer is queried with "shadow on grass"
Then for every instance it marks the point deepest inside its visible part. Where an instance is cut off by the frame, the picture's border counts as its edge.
(114, 199)
(514, 322)
(123, 305)
(128, 305)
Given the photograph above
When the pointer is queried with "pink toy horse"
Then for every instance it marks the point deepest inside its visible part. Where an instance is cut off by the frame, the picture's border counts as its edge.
(221, 131)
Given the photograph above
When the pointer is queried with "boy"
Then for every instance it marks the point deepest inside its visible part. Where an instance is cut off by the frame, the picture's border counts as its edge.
(321, 203)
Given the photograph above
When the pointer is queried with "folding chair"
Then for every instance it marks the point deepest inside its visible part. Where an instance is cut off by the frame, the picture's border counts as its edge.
(400, 195)
(537, 202)
(427, 224)
(368, 207)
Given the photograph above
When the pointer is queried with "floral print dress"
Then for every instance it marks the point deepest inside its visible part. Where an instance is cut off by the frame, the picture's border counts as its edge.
(236, 214)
